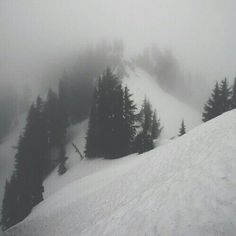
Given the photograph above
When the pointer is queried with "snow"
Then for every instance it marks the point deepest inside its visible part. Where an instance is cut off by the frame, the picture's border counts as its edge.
(170, 110)
(185, 187)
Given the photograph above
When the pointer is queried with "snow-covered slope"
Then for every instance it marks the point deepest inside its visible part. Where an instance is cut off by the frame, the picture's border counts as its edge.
(170, 110)
(186, 187)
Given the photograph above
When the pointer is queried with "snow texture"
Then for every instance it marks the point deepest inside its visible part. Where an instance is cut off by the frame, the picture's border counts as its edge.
(185, 187)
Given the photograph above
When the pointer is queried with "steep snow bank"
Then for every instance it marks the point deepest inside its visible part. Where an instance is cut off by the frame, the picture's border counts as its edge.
(170, 110)
(186, 187)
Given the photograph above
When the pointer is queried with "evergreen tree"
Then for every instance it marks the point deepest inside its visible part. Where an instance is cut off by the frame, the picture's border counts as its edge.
(233, 97)
(212, 108)
(144, 140)
(62, 127)
(224, 96)
(182, 130)
(26, 186)
(111, 125)
(91, 149)
(10, 205)
(129, 118)
(219, 102)
(156, 126)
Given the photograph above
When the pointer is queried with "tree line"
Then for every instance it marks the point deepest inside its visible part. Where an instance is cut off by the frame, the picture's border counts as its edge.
(40, 148)
(222, 99)
(116, 128)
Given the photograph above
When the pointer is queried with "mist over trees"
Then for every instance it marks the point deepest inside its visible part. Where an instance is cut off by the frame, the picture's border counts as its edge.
(81, 81)
(165, 67)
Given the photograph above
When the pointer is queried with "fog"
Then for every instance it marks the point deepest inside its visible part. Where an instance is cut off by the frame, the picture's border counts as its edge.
(37, 37)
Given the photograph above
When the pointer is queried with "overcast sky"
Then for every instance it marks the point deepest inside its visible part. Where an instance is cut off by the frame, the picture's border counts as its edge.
(36, 33)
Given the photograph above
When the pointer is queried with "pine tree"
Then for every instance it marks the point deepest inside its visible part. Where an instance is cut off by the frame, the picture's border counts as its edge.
(111, 124)
(62, 127)
(224, 96)
(182, 130)
(212, 108)
(233, 97)
(91, 148)
(156, 126)
(10, 205)
(144, 140)
(26, 186)
(129, 129)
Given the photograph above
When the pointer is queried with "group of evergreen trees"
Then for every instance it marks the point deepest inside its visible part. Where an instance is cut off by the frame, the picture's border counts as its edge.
(112, 131)
(150, 128)
(40, 148)
(223, 98)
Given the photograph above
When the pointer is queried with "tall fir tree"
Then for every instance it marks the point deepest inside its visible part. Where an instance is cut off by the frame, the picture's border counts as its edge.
(111, 125)
(224, 96)
(233, 97)
(156, 126)
(62, 126)
(212, 108)
(26, 186)
(129, 118)
(10, 205)
(144, 140)
(182, 129)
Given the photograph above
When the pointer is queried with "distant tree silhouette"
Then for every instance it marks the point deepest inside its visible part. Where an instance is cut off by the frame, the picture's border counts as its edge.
(182, 129)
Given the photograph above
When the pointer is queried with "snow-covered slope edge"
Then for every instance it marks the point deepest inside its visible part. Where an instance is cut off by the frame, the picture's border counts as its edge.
(170, 110)
(186, 187)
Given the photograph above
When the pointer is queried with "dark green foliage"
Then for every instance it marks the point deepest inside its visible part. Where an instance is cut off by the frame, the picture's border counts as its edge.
(212, 108)
(10, 205)
(182, 130)
(224, 96)
(233, 97)
(219, 102)
(111, 125)
(151, 128)
(25, 189)
(156, 126)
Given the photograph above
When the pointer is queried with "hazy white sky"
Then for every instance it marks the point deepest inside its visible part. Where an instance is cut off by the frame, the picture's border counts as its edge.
(34, 34)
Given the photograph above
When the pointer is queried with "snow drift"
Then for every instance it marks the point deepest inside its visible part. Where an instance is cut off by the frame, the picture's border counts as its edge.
(186, 187)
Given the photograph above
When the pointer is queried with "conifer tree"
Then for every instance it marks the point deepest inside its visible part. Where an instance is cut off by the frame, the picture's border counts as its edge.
(129, 117)
(233, 97)
(26, 186)
(91, 148)
(156, 126)
(224, 96)
(62, 126)
(111, 125)
(212, 108)
(144, 140)
(182, 130)
(10, 205)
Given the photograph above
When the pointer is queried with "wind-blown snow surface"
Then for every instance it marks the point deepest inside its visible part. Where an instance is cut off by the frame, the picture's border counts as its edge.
(186, 187)
(170, 110)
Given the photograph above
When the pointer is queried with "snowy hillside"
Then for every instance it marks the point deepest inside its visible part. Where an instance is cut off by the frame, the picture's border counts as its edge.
(186, 187)
(170, 110)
